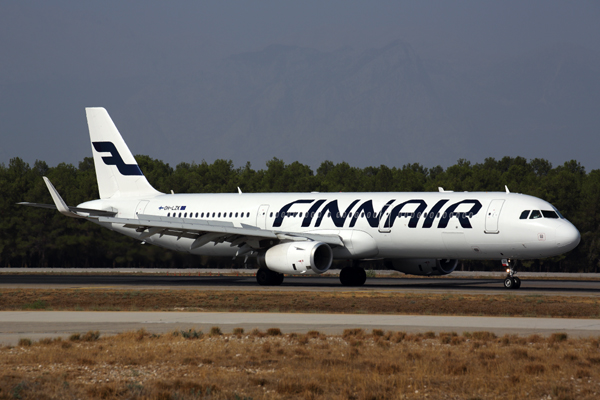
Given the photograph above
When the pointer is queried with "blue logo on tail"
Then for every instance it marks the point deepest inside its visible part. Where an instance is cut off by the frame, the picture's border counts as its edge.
(115, 159)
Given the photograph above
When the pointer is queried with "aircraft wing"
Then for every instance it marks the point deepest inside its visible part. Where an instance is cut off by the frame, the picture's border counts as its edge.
(247, 237)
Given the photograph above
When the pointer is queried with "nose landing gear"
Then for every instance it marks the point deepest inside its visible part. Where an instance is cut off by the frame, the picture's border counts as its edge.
(511, 281)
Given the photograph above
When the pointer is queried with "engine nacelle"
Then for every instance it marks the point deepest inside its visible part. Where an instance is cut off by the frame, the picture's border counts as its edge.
(297, 258)
(422, 266)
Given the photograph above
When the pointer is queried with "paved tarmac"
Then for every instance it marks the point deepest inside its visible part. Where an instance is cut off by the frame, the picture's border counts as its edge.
(40, 324)
(250, 271)
(185, 279)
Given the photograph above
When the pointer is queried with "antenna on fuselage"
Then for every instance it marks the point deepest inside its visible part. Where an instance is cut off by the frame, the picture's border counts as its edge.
(506, 187)
(239, 190)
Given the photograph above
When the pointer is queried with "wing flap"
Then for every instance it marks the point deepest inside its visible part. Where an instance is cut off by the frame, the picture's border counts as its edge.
(206, 231)
(186, 225)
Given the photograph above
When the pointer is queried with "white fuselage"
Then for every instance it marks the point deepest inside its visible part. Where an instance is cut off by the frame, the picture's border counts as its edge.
(464, 225)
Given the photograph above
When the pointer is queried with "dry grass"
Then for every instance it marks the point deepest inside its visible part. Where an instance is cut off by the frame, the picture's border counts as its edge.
(371, 302)
(355, 365)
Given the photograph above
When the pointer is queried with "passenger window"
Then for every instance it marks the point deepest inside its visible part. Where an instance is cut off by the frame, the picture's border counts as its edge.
(169, 214)
(549, 214)
(236, 215)
(179, 215)
(271, 215)
(524, 214)
(300, 215)
(185, 215)
(196, 215)
(535, 214)
(230, 214)
(202, 215)
(247, 215)
(213, 215)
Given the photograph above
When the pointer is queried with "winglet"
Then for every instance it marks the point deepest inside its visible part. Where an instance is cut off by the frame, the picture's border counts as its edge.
(61, 206)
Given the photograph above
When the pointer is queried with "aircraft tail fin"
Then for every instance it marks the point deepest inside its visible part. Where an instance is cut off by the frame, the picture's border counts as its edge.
(117, 171)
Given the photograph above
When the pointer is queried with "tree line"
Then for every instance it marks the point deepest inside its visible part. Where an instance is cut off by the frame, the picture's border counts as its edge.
(31, 237)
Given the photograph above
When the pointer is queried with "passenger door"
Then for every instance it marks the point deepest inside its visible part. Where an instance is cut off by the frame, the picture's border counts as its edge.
(492, 216)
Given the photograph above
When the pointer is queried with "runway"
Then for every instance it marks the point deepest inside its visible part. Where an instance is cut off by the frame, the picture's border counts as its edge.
(39, 324)
(190, 280)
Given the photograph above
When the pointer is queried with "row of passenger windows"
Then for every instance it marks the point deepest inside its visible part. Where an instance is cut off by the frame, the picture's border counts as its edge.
(214, 215)
(368, 215)
(535, 214)
(318, 215)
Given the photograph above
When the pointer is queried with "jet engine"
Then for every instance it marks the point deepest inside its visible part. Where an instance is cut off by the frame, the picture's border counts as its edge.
(297, 258)
(422, 266)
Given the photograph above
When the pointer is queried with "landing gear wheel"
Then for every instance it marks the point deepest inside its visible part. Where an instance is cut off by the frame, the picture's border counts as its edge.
(266, 277)
(360, 276)
(263, 276)
(278, 279)
(511, 281)
(346, 276)
(353, 276)
(517, 282)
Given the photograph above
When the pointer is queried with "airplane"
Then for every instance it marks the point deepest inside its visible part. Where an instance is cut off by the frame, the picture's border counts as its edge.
(418, 233)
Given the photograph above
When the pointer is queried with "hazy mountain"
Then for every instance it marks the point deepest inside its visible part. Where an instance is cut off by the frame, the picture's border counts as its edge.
(380, 106)
(299, 103)
(377, 106)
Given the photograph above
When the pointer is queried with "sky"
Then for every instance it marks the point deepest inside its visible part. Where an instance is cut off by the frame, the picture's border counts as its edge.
(136, 58)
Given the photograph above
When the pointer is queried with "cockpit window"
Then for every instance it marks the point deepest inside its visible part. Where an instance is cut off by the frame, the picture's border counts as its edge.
(549, 214)
(535, 214)
(524, 214)
(558, 212)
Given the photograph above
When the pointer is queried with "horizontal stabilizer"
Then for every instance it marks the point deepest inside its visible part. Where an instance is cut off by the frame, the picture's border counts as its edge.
(91, 212)
(63, 208)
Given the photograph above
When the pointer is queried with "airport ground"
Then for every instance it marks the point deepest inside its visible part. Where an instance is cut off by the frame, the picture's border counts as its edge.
(257, 364)
(549, 351)
(193, 299)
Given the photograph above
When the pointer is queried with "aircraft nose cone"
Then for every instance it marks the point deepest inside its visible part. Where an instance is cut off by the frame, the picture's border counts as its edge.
(567, 236)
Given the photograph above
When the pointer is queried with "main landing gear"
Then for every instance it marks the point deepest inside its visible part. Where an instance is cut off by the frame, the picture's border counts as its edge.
(266, 277)
(353, 276)
(511, 281)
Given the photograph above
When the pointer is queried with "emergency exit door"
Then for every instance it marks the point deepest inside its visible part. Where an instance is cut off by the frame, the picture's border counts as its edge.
(261, 216)
(141, 207)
